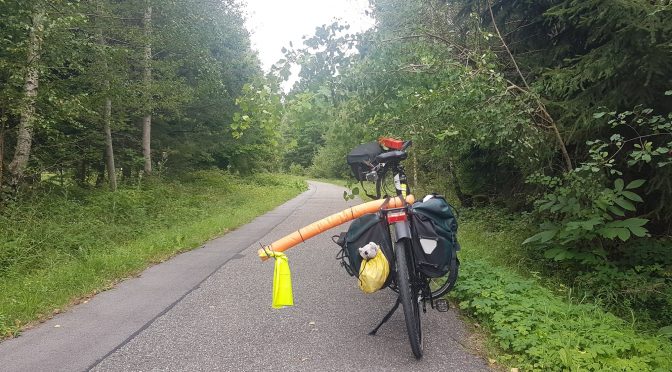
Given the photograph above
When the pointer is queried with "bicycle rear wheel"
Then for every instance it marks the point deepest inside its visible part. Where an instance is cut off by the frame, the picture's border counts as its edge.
(409, 297)
(442, 285)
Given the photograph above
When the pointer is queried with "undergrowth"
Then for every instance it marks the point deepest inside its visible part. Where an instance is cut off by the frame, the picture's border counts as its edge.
(539, 317)
(633, 283)
(60, 245)
(537, 330)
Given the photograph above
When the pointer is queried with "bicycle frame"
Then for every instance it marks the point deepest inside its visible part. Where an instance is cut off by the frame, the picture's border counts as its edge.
(399, 222)
(408, 282)
(398, 219)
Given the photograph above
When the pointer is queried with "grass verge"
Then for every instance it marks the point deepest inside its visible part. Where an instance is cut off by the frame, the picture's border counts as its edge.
(535, 328)
(62, 246)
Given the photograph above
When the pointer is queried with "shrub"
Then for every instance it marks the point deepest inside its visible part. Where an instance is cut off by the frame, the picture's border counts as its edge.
(542, 332)
(297, 170)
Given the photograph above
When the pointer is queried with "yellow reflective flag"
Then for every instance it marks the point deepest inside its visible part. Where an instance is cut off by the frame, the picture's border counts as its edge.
(282, 281)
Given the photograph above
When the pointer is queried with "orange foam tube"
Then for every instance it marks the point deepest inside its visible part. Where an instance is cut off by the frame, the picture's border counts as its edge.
(315, 228)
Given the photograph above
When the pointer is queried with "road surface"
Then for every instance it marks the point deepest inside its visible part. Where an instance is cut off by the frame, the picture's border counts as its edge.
(209, 309)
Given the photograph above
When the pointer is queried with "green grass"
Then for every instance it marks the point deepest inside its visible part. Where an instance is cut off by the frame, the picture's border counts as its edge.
(534, 322)
(63, 245)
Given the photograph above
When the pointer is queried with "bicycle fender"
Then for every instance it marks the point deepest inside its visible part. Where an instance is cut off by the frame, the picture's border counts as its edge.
(402, 231)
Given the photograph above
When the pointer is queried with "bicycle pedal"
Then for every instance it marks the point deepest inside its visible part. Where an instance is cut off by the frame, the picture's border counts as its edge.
(441, 305)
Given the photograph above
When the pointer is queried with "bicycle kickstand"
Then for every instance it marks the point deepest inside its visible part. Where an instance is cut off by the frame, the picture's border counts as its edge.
(386, 318)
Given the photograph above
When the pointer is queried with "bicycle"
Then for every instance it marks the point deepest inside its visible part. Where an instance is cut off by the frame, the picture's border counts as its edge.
(411, 278)
(412, 285)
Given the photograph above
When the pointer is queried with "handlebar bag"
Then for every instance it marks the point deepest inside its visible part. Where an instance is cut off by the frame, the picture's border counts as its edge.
(435, 243)
(362, 231)
(362, 158)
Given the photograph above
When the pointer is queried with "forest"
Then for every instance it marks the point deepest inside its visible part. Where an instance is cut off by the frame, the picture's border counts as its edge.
(548, 123)
(78, 77)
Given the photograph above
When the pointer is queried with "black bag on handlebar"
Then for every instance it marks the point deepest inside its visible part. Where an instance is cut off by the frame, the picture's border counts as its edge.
(362, 231)
(435, 246)
(362, 158)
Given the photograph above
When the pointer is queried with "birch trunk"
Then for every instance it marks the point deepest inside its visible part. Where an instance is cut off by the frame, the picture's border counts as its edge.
(24, 138)
(109, 150)
(147, 120)
(107, 112)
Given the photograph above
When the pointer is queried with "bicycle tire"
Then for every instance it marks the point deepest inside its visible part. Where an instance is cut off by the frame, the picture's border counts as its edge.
(409, 298)
(447, 282)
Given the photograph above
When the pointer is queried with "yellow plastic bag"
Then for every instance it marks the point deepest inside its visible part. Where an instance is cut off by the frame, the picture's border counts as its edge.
(373, 273)
(282, 281)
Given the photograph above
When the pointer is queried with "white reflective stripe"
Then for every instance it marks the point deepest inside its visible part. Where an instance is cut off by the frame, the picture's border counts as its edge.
(397, 182)
(428, 245)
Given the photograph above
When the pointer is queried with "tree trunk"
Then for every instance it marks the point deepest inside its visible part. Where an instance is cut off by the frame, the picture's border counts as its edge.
(24, 137)
(147, 120)
(465, 200)
(81, 172)
(107, 111)
(100, 176)
(109, 150)
(2, 151)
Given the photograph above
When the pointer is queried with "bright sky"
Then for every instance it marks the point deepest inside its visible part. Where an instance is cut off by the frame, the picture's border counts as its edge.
(274, 23)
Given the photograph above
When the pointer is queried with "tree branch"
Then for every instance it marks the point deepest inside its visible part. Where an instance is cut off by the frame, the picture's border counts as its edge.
(540, 106)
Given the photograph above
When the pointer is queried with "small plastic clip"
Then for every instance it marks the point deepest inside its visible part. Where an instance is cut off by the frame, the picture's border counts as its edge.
(264, 248)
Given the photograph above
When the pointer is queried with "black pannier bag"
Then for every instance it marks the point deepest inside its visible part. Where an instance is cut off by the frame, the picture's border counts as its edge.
(435, 248)
(362, 158)
(362, 231)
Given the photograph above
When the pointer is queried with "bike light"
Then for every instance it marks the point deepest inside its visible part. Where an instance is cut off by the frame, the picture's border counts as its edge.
(391, 143)
(396, 217)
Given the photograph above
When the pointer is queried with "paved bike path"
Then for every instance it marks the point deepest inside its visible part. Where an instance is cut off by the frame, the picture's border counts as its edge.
(209, 309)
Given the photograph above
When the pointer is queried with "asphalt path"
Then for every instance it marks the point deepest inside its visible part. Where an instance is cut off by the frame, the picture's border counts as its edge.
(209, 309)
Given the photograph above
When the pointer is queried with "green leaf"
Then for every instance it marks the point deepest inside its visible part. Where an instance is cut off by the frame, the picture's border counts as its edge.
(616, 210)
(590, 224)
(635, 184)
(639, 231)
(666, 331)
(598, 115)
(632, 196)
(618, 184)
(548, 226)
(628, 206)
(609, 232)
(632, 222)
(554, 252)
(623, 234)
(542, 237)
(668, 93)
